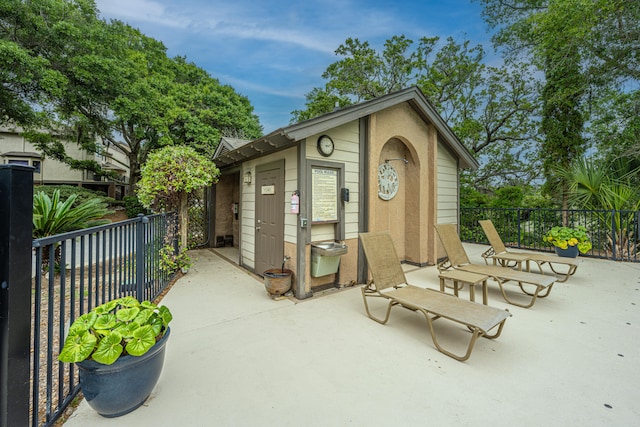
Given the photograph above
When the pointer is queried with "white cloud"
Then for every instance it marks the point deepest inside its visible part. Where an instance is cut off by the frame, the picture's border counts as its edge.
(265, 89)
(141, 11)
(215, 22)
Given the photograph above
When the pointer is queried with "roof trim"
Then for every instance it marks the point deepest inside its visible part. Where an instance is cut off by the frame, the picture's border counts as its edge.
(288, 136)
(27, 154)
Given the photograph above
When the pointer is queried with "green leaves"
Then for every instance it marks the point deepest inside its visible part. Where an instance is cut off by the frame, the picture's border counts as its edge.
(78, 346)
(109, 349)
(143, 339)
(122, 326)
(64, 68)
(492, 110)
(53, 216)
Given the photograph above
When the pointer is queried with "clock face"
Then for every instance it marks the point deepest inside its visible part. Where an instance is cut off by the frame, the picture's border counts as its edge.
(325, 145)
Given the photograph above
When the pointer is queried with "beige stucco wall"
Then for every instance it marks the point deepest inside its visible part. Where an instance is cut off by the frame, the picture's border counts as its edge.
(227, 193)
(399, 132)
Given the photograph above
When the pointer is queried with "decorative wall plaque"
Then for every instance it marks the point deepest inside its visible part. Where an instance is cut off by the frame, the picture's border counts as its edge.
(387, 181)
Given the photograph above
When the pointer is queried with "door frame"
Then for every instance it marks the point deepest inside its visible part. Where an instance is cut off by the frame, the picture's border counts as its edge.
(279, 194)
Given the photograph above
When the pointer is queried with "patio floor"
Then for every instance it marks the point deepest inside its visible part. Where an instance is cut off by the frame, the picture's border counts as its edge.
(238, 358)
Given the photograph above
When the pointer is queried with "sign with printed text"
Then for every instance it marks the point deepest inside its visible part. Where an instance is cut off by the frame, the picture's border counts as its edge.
(324, 188)
(268, 189)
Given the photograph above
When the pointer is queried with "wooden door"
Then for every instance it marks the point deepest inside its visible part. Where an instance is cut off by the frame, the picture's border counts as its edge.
(269, 219)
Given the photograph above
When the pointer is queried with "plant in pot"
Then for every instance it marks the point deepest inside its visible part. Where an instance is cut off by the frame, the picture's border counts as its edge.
(119, 350)
(569, 240)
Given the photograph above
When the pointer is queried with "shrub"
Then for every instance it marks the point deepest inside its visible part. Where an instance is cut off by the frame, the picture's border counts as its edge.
(133, 206)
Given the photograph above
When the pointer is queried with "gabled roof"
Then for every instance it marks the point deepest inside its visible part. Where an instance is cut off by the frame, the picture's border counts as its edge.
(289, 136)
(229, 144)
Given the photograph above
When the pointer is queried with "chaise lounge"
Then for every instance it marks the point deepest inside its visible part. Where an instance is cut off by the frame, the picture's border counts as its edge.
(498, 253)
(390, 284)
(457, 259)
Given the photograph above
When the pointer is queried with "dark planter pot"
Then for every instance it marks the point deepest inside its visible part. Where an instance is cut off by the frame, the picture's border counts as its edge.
(117, 389)
(570, 252)
(277, 281)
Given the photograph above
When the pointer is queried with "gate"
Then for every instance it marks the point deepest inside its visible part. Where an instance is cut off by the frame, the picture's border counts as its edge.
(198, 229)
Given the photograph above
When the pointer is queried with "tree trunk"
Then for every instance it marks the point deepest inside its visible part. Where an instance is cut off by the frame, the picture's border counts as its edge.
(183, 219)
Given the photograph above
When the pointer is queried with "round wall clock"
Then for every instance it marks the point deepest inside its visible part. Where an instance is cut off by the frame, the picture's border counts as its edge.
(325, 145)
(387, 181)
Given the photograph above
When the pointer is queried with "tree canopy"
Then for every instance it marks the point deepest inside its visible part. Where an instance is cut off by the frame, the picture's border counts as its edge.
(588, 51)
(169, 176)
(491, 109)
(83, 79)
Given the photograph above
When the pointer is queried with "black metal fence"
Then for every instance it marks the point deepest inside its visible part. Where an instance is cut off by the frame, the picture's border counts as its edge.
(615, 234)
(77, 271)
(62, 277)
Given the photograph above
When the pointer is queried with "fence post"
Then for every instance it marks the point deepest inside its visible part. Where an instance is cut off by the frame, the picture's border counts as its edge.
(16, 215)
(141, 253)
(613, 234)
(519, 236)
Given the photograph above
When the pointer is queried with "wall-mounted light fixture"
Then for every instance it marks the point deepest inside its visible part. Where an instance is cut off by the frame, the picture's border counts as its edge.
(247, 177)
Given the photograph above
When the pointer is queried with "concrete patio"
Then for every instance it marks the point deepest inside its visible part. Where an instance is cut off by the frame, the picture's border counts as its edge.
(238, 358)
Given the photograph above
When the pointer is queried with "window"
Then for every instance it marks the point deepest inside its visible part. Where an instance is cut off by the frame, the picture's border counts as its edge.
(35, 163)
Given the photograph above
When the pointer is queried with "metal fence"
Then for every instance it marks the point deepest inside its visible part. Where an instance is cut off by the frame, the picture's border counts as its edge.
(77, 271)
(615, 234)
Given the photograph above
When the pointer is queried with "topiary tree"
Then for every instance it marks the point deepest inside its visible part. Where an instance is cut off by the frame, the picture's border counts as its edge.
(168, 177)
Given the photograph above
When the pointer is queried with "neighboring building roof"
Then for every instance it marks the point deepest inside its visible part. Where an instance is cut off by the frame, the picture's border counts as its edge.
(111, 166)
(288, 136)
(22, 154)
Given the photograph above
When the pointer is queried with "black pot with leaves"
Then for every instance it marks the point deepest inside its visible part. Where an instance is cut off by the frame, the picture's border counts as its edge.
(119, 349)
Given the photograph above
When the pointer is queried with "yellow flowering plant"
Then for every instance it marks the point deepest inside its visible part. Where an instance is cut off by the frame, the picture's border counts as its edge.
(563, 237)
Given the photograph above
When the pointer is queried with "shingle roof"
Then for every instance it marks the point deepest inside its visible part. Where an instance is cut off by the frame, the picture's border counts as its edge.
(289, 136)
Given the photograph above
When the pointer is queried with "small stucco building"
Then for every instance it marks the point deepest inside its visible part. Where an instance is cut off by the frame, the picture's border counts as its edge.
(390, 164)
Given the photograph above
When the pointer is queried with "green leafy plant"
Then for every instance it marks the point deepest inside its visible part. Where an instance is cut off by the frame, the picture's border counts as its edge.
(563, 237)
(169, 176)
(170, 261)
(53, 216)
(133, 206)
(120, 327)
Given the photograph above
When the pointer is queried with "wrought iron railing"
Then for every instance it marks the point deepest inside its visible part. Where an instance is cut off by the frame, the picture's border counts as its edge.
(615, 234)
(77, 271)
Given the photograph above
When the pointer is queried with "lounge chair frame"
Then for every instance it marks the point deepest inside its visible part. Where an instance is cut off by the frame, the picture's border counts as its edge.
(500, 255)
(389, 283)
(457, 259)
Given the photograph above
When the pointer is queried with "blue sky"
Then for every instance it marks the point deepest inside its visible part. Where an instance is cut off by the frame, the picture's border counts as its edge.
(274, 51)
